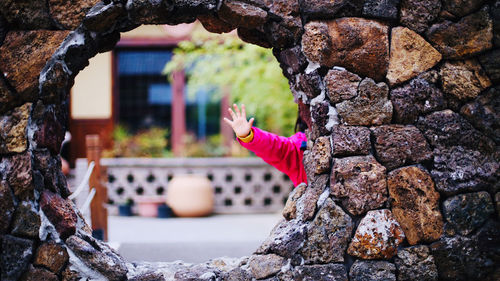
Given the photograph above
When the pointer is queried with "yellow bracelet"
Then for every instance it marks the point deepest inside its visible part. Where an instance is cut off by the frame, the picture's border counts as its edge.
(248, 138)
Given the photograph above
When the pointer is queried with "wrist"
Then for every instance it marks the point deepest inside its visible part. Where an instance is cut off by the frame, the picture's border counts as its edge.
(247, 138)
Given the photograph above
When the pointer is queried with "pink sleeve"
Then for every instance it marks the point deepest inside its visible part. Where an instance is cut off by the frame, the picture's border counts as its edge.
(281, 152)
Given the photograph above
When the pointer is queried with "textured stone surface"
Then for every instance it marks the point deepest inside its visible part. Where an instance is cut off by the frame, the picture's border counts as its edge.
(460, 8)
(327, 235)
(26, 221)
(24, 54)
(418, 97)
(26, 14)
(350, 140)
(306, 205)
(497, 200)
(372, 271)
(286, 31)
(50, 121)
(377, 236)
(52, 256)
(310, 84)
(495, 14)
(456, 169)
(98, 256)
(8, 99)
(6, 207)
(70, 13)
(15, 256)
(447, 128)
(320, 118)
(415, 204)
(416, 263)
(102, 17)
(359, 182)
(320, 272)
(318, 9)
(18, 174)
(285, 239)
(341, 84)
(491, 64)
(242, 14)
(290, 209)
(60, 213)
(475, 35)
(359, 45)
(322, 155)
(463, 79)
(399, 145)
(35, 274)
(410, 55)
(384, 9)
(13, 132)
(418, 14)
(467, 212)
(370, 107)
(212, 23)
(253, 36)
(262, 266)
(48, 167)
(291, 60)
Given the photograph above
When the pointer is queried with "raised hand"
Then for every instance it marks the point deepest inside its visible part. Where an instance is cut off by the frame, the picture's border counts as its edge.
(240, 125)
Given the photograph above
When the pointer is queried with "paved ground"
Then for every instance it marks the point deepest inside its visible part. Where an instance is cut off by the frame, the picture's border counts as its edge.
(189, 239)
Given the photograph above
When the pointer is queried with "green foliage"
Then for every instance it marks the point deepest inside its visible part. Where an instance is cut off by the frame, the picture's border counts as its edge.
(249, 72)
(146, 143)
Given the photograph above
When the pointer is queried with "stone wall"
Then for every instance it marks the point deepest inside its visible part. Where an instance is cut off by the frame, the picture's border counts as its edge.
(402, 102)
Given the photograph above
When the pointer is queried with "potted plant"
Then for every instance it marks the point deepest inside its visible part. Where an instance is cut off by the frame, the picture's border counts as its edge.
(125, 209)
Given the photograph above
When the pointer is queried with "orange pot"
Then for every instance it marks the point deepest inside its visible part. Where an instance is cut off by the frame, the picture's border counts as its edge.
(190, 195)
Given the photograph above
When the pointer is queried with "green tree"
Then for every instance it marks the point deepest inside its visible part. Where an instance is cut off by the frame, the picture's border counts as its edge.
(251, 74)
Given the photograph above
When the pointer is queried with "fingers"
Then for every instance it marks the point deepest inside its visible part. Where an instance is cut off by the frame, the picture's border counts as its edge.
(243, 111)
(237, 110)
(229, 122)
(250, 122)
(231, 113)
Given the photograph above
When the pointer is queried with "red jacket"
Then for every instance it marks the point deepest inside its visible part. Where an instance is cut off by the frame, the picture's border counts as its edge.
(281, 152)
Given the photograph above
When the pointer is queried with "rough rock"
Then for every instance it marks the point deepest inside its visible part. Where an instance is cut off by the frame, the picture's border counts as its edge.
(350, 140)
(7, 207)
(372, 271)
(359, 182)
(383, 9)
(399, 145)
(308, 203)
(35, 274)
(475, 31)
(291, 60)
(253, 36)
(463, 79)
(262, 266)
(491, 64)
(98, 256)
(102, 17)
(318, 9)
(497, 200)
(456, 170)
(447, 128)
(370, 107)
(416, 263)
(13, 133)
(285, 239)
(52, 256)
(150, 12)
(341, 84)
(50, 123)
(68, 13)
(24, 54)
(377, 236)
(290, 209)
(310, 83)
(495, 14)
(410, 55)
(8, 99)
(418, 97)
(15, 256)
(212, 23)
(242, 14)
(18, 174)
(239, 274)
(359, 45)
(467, 212)
(26, 14)
(285, 32)
(320, 118)
(54, 87)
(197, 272)
(320, 272)
(417, 15)
(49, 167)
(60, 213)
(327, 235)
(460, 8)
(415, 204)
(26, 221)
(321, 155)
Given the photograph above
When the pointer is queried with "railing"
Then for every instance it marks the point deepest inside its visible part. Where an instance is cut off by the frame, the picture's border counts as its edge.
(241, 185)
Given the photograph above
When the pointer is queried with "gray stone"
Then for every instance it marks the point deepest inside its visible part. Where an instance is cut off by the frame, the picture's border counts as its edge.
(242, 14)
(460, 8)
(13, 130)
(308, 203)
(199, 272)
(370, 107)
(419, 97)
(467, 212)
(262, 266)
(416, 263)
(475, 31)
(372, 271)
(491, 64)
(399, 145)
(291, 60)
(239, 274)
(341, 84)
(463, 79)
(16, 254)
(327, 235)
(457, 170)
(418, 14)
(359, 182)
(102, 16)
(285, 239)
(320, 272)
(7, 207)
(320, 118)
(350, 140)
(36, 274)
(310, 83)
(383, 9)
(26, 221)
(290, 209)
(318, 9)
